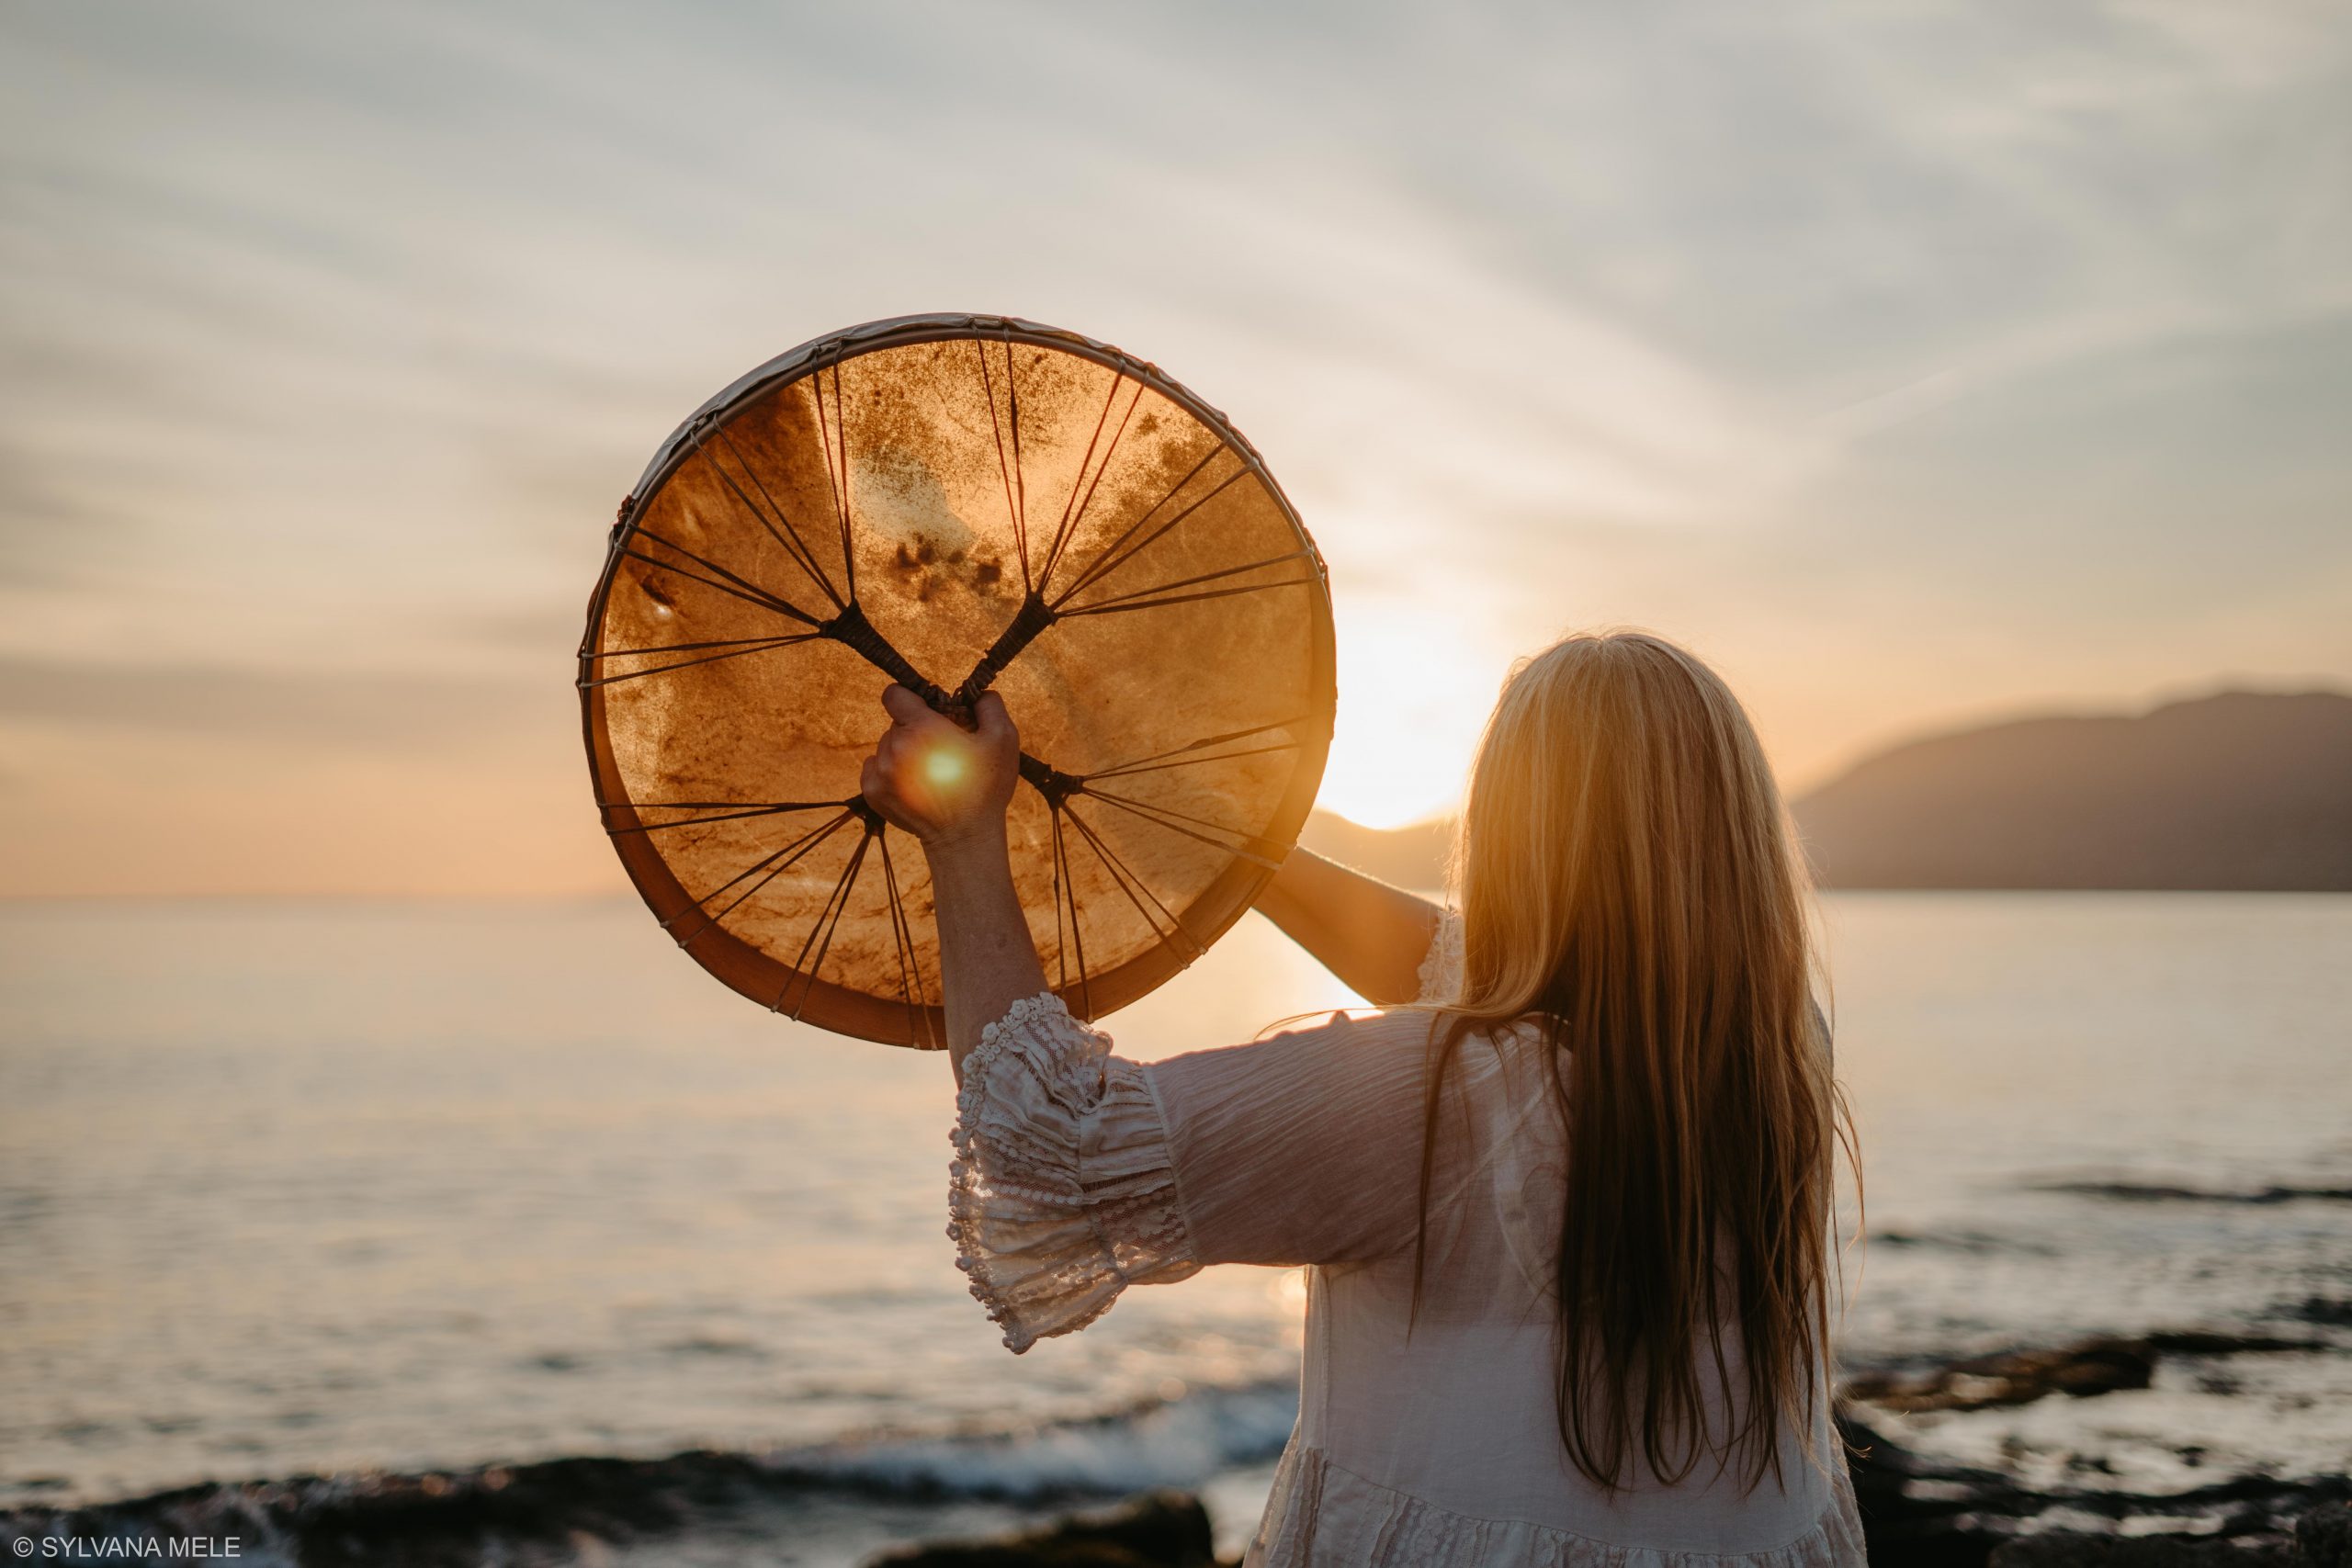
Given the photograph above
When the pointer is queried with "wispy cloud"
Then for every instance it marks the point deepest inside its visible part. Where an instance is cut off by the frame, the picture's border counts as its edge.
(1907, 359)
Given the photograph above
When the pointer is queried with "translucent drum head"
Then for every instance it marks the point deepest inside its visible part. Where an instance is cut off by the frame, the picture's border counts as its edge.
(957, 503)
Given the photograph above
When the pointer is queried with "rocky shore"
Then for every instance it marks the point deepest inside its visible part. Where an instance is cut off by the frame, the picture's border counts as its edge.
(1918, 1512)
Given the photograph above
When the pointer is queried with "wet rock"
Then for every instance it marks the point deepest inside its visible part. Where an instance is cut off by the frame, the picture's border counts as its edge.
(2210, 1342)
(1160, 1529)
(2324, 1536)
(2013, 1377)
(2111, 1552)
(1914, 1514)
(1918, 1513)
(2332, 1312)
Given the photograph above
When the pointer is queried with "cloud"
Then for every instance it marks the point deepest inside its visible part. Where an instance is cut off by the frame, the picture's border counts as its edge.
(385, 715)
(1901, 357)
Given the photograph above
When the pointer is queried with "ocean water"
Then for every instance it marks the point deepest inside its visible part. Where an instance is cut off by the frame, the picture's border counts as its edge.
(296, 1187)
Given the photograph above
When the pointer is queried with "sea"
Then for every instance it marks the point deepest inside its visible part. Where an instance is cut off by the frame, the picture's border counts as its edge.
(334, 1188)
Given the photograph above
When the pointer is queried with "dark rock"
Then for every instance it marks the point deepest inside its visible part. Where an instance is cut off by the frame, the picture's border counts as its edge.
(1162, 1530)
(2325, 1535)
(2013, 1377)
(2207, 1342)
(2164, 1192)
(2334, 1311)
(1913, 1514)
(1920, 1514)
(2111, 1552)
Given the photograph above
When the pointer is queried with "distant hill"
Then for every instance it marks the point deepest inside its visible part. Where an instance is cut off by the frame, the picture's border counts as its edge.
(2242, 791)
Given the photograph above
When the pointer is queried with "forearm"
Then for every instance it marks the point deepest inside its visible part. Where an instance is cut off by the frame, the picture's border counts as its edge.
(986, 962)
(1371, 935)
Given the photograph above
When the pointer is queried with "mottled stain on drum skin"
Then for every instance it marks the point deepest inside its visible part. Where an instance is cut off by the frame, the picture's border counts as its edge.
(926, 567)
(936, 550)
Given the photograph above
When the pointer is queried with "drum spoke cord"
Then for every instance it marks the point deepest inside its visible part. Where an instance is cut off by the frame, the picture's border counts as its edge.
(902, 937)
(1016, 508)
(742, 645)
(1065, 890)
(1162, 593)
(790, 539)
(1109, 558)
(1070, 520)
(773, 865)
(1129, 883)
(1250, 846)
(828, 918)
(725, 811)
(837, 482)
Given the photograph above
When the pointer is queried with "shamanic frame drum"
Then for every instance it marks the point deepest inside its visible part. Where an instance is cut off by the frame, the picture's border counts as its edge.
(954, 502)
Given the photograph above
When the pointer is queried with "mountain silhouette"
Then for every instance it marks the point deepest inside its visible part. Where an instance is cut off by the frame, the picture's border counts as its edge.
(2238, 791)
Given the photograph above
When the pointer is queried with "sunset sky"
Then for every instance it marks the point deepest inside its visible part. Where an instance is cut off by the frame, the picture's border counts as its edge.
(1916, 363)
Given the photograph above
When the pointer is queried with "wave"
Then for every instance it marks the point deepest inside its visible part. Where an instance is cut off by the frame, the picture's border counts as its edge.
(1178, 1442)
(2161, 1192)
(1974, 1243)
(442, 1516)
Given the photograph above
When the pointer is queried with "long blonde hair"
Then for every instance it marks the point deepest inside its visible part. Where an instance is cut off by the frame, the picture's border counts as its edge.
(1627, 879)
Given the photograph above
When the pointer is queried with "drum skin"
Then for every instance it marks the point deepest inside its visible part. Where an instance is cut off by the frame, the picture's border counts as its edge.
(959, 503)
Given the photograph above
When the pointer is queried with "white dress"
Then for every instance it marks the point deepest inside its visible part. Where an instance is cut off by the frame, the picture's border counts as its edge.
(1078, 1174)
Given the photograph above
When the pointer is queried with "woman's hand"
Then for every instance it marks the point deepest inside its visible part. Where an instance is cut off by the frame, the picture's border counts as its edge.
(949, 787)
(940, 782)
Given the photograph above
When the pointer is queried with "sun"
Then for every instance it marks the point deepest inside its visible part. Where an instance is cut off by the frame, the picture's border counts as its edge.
(1413, 696)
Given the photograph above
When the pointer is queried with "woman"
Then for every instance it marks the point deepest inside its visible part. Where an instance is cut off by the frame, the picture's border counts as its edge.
(1568, 1219)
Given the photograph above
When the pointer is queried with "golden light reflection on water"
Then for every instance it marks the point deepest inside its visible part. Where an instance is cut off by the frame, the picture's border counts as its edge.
(554, 1193)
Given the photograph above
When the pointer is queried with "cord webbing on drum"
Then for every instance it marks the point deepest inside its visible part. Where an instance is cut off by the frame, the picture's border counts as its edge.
(726, 810)
(1103, 561)
(1018, 510)
(1065, 888)
(790, 539)
(763, 595)
(902, 937)
(741, 647)
(1247, 846)
(837, 483)
(774, 865)
(749, 593)
(1067, 528)
(1137, 764)
(828, 918)
(1139, 598)
(1020, 475)
(1122, 874)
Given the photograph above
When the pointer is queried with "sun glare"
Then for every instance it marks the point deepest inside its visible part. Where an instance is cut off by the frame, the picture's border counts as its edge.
(1412, 697)
(944, 767)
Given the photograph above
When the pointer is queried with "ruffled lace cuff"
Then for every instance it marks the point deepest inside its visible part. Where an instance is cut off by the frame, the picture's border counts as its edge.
(1062, 1193)
(1440, 973)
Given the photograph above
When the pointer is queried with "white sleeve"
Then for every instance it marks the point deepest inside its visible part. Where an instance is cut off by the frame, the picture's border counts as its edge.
(1062, 1191)
(1441, 972)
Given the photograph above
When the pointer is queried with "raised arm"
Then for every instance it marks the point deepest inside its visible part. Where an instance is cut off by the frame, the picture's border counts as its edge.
(949, 788)
(1371, 935)
(1072, 1165)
